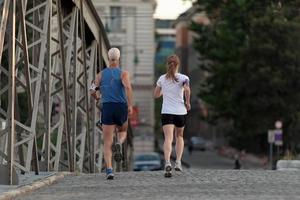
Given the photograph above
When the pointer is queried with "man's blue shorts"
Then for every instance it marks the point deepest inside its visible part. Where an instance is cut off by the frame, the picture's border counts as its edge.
(114, 113)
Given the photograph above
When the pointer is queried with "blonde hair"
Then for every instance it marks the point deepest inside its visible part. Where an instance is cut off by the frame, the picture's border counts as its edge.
(172, 67)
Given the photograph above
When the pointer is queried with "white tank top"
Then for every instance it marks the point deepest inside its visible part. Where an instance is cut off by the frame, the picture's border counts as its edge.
(172, 91)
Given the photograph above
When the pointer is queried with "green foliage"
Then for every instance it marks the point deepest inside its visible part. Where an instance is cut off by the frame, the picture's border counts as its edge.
(252, 48)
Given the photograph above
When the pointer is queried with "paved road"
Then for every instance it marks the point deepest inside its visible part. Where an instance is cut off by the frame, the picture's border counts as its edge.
(211, 160)
(208, 159)
(192, 184)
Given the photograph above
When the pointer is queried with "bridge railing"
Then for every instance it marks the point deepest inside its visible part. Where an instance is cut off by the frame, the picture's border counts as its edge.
(50, 51)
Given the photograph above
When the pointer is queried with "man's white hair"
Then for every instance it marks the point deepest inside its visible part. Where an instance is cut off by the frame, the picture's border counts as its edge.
(114, 54)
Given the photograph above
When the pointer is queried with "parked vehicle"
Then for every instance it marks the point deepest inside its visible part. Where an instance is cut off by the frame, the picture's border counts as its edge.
(147, 162)
(197, 143)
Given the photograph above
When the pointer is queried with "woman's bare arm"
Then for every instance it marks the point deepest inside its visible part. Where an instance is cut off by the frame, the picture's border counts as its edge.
(157, 92)
(187, 95)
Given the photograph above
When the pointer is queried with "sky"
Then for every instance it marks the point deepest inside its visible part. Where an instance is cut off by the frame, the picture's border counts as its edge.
(170, 9)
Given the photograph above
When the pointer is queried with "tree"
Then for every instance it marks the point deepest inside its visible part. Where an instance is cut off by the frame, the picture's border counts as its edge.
(253, 49)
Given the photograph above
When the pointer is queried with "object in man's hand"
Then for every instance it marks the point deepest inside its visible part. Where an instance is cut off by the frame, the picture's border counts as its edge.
(94, 87)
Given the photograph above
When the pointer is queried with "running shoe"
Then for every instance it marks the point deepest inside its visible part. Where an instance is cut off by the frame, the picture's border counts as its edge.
(178, 166)
(168, 169)
(118, 152)
(109, 174)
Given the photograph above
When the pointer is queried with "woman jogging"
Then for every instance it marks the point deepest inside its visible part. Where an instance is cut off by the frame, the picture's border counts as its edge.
(175, 89)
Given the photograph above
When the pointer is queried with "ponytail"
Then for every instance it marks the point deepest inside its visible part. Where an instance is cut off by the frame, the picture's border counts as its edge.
(172, 67)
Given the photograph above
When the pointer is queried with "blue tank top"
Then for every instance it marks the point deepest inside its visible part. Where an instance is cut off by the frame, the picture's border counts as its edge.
(111, 86)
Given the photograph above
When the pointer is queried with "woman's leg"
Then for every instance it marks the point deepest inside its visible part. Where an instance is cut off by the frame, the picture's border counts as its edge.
(168, 132)
(179, 143)
(108, 135)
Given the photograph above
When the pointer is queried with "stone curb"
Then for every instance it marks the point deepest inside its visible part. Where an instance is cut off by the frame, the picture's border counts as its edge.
(288, 165)
(25, 189)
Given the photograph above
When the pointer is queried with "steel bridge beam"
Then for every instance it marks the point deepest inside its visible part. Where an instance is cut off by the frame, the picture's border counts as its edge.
(45, 70)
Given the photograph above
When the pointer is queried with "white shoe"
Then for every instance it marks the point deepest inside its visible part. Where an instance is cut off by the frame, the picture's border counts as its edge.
(178, 166)
(168, 169)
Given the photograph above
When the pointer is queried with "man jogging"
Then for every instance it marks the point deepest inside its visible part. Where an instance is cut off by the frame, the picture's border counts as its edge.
(173, 86)
(116, 99)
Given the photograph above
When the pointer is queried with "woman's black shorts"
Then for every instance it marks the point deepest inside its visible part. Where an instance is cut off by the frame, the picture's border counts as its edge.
(178, 120)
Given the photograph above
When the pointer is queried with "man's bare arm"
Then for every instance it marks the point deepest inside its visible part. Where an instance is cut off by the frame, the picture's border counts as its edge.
(98, 79)
(96, 82)
(127, 85)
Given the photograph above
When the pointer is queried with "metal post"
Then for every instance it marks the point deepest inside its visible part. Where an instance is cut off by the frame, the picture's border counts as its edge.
(26, 57)
(18, 131)
(88, 134)
(48, 90)
(65, 85)
(271, 156)
(278, 152)
(100, 135)
(11, 121)
(27, 77)
(74, 109)
(3, 25)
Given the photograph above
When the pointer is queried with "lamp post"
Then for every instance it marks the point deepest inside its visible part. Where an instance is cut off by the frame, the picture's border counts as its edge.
(278, 136)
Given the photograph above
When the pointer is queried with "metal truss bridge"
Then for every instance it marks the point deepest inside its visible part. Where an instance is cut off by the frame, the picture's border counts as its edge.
(50, 51)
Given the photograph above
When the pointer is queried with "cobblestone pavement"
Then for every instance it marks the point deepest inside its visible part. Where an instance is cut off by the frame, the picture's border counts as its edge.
(192, 184)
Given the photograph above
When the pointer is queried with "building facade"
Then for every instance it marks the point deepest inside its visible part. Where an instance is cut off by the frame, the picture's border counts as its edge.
(130, 27)
(165, 37)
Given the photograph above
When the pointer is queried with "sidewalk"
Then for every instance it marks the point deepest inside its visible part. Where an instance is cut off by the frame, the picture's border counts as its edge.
(30, 182)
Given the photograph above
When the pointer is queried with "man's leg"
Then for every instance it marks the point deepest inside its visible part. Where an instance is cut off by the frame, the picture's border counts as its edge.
(122, 132)
(121, 118)
(108, 135)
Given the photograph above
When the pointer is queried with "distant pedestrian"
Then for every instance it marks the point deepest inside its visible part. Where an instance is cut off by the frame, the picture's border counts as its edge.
(174, 87)
(237, 163)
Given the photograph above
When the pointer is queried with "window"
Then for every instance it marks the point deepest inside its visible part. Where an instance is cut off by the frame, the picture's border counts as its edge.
(115, 19)
(130, 11)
